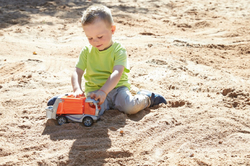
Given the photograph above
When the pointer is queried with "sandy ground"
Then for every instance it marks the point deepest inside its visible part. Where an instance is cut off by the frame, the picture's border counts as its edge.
(195, 53)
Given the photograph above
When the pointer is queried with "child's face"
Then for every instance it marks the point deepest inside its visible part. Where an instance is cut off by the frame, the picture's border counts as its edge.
(99, 34)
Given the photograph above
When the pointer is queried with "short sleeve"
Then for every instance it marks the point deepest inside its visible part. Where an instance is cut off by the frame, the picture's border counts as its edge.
(82, 60)
(121, 58)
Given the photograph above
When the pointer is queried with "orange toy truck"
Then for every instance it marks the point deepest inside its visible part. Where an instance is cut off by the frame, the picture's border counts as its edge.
(78, 109)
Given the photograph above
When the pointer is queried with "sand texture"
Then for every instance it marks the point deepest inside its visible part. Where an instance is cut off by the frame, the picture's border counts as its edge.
(195, 53)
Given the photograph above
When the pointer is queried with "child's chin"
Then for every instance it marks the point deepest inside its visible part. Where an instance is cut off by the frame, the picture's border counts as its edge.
(101, 48)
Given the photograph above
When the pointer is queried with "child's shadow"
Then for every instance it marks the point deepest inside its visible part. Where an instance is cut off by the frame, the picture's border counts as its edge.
(92, 144)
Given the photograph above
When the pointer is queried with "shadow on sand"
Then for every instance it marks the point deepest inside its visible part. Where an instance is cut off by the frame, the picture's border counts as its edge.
(92, 144)
(20, 12)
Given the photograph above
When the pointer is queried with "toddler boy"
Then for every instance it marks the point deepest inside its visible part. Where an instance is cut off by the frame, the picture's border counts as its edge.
(104, 65)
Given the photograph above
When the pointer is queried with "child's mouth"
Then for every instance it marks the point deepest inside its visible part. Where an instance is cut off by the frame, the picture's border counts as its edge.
(99, 46)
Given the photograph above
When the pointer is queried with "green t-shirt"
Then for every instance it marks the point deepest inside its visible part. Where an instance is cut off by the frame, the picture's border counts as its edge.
(98, 65)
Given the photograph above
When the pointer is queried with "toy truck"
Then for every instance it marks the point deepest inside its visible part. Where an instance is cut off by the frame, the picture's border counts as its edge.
(77, 109)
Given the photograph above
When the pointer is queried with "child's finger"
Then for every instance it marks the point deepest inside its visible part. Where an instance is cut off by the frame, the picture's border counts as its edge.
(76, 94)
(101, 101)
(92, 95)
(97, 97)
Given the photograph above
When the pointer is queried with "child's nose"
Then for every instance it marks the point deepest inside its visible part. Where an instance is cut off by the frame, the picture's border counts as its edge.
(95, 40)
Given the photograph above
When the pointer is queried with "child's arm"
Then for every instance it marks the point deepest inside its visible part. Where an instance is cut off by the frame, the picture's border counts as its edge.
(109, 85)
(76, 80)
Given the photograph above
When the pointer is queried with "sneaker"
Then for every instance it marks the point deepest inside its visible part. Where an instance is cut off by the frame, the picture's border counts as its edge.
(52, 101)
(155, 98)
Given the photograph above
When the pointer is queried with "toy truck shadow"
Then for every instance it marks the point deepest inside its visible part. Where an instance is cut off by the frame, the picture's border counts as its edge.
(90, 145)
(74, 144)
(65, 108)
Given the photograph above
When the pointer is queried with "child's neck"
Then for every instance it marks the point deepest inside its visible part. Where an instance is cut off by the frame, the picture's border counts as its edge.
(107, 47)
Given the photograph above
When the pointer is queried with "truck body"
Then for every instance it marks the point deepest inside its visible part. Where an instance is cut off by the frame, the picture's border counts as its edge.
(78, 109)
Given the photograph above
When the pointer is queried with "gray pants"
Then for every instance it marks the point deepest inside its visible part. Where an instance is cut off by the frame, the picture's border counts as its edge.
(120, 98)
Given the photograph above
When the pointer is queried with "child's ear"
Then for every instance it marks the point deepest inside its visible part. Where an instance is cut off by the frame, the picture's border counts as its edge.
(113, 28)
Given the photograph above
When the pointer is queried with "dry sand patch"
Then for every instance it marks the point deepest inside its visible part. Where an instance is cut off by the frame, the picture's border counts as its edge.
(197, 54)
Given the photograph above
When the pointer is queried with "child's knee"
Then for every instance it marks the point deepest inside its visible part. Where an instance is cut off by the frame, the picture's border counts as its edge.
(130, 110)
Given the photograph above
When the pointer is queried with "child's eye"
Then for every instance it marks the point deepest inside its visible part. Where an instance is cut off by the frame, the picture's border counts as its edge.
(90, 38)
(100, 37)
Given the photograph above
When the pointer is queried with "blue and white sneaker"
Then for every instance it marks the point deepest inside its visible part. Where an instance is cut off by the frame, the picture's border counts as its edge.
(155, 98)
(52, 101)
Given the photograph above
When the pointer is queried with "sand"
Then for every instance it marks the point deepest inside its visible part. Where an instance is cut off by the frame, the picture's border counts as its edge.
(195, 53)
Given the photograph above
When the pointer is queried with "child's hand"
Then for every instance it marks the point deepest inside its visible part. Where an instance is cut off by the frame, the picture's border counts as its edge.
(99, 95)
(78, 93)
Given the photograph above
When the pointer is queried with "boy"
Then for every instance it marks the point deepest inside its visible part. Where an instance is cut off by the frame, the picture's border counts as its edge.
(105, 66)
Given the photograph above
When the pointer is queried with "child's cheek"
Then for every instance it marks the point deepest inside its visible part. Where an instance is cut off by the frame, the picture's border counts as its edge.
(104, 39)
(91, 42)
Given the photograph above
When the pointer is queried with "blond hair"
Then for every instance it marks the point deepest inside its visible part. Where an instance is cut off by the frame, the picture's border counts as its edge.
(97, 11)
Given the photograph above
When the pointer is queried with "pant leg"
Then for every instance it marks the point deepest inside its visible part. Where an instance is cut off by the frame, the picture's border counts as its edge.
(124, 101)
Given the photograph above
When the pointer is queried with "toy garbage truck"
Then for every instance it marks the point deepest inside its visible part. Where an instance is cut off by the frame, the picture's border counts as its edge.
(78, 109)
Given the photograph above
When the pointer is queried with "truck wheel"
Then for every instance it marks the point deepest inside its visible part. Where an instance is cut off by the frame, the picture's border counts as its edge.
(61, 120)
(87, 121)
